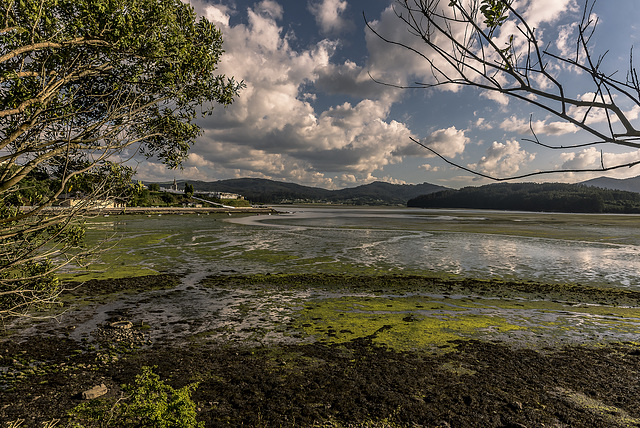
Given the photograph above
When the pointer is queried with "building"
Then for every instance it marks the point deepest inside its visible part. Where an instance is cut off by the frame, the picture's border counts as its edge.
(223, 195)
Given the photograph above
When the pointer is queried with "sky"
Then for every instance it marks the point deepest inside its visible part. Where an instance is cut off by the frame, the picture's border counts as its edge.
(312, 113)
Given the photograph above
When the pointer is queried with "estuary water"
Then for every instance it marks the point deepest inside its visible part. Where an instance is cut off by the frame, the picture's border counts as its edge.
(545, 247)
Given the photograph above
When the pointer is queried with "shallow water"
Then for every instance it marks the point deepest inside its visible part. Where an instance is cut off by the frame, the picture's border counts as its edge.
(588, 249)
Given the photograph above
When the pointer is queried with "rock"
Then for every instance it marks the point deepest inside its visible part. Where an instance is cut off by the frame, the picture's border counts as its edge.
(95, 392)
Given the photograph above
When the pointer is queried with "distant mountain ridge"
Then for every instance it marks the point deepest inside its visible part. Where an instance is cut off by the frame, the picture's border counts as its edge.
(259, 190)
(627, 184)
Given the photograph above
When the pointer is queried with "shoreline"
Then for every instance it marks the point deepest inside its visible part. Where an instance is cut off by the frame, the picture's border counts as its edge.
(168, 210)
(188, 210)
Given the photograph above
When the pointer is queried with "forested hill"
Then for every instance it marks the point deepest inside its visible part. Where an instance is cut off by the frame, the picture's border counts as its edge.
(259, 190)
(550, 197)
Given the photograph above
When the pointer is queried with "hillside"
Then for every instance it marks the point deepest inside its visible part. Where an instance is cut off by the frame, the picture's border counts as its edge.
(549, 197)
(259, 190)
(627, 184)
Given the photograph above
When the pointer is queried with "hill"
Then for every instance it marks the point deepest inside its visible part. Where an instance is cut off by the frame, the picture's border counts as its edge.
(549, 197)
(264, 191)
(627, 184)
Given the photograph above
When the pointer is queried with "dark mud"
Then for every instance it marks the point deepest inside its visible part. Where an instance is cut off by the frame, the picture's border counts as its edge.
(97, 287)
(353, 384)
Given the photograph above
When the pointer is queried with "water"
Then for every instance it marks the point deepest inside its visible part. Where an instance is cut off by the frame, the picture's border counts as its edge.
(588, 249)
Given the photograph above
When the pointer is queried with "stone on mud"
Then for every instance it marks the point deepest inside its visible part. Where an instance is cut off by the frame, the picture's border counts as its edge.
(95, 392)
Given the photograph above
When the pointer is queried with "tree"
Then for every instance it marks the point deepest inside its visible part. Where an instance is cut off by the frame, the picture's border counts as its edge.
(85, 85)
(489, 45)
(188, 190)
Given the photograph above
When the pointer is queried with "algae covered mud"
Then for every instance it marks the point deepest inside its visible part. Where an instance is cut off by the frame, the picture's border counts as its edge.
(322, 350)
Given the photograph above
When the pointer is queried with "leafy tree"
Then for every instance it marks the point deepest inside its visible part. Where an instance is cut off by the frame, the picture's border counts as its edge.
(84, 85)
(462, 42)
(188, 190)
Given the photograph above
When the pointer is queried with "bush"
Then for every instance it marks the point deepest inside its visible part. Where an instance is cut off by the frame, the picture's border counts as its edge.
(149, 403)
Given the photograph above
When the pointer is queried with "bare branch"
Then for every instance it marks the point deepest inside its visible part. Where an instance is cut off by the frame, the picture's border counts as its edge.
(459, 42)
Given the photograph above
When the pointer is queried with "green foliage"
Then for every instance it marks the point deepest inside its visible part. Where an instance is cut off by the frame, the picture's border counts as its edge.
(494, 12)
(150, 403)
(188, 189)
(550, 197)
(81, 82)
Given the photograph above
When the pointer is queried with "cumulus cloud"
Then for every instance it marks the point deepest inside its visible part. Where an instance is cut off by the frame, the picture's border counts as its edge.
(328, 14)
(482, 123)
(428, 167)
(503, 159)
(449, 142)
(395, 65)
(498, 97)
(565, 41)
(350, 79)
(218, 14)
(547, 11)
(592, 158)
(593, 116)
(273, 129)
(540, 127)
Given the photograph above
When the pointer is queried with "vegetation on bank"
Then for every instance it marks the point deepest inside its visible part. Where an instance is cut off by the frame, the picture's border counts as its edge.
(155, 198)
(149, 402)
(546, 197)
(38, 185)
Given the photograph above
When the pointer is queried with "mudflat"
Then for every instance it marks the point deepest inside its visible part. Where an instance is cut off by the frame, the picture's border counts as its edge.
(338, 351)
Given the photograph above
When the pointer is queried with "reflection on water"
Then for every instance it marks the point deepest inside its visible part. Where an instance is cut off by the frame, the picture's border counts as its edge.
(542, 247)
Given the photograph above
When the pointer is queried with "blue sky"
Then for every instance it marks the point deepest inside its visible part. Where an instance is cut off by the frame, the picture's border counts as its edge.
(310, 113)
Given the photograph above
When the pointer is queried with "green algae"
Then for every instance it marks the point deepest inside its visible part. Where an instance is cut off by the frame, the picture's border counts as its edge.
(107, 272)
(389, 322)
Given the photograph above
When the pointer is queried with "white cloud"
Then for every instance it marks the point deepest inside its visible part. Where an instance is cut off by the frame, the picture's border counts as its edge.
(448, 142)
(566, 34)
(538, 12)
(540, 127)
(393, 64)
(218, 14)
(498, 97)
(588, 158)
(503, 159)
(328, 14)
(592, 158)
(431, 168)
(350, 79)
(595, 116)
(482, 123)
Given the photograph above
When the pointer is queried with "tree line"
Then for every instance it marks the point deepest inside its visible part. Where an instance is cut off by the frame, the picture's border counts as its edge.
(546, 197)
